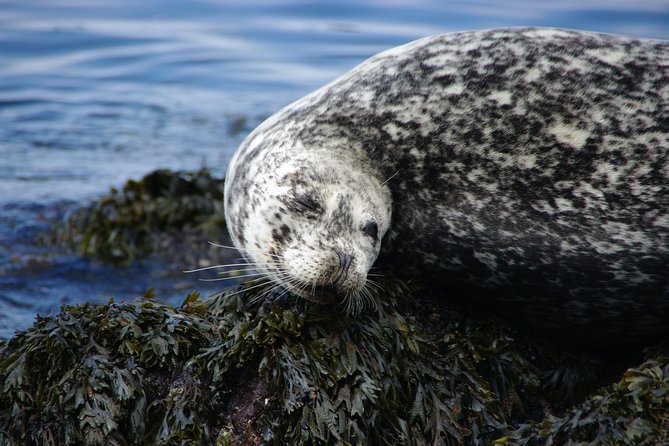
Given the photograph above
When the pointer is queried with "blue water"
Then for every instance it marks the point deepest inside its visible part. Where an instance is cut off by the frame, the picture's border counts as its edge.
(95, 92)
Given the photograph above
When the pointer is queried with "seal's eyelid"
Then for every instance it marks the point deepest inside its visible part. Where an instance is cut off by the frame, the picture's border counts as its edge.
(307, 202)
(371, 229)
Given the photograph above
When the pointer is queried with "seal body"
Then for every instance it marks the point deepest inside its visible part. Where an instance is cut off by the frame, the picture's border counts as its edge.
(528, 168)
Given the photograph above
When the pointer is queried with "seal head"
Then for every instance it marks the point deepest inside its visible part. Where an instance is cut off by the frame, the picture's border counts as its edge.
(312, 223)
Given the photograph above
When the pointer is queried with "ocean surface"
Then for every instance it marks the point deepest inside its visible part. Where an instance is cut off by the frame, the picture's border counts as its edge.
(94, 92)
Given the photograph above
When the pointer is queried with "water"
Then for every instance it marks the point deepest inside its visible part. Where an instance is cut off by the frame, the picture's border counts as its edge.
(95, 92)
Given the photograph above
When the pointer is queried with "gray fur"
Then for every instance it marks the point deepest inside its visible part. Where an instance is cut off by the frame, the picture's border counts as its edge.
(532, 170)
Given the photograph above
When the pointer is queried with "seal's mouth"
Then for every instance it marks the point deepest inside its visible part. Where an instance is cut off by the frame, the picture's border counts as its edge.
(323, 294)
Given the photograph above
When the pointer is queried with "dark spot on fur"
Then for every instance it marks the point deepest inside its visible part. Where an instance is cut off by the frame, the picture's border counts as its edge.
(283, 236)
(277, 237)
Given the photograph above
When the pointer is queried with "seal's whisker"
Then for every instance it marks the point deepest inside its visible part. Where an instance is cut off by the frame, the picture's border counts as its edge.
(262, 294)
(283, 279)
(366, 296)
(370, 302)
(257, 264)
(250, 273)
(206, 268)
(271, 286)
(275, 287)
(226, 247)
(346, 302)
(281, 274)
(349, 306)
(219, 279)
(240, 270)
(302, 288)
(356, 302)
(373, 301)
(285, 291)
(363, 300)
(375, 284)
(390, 177)
(251, 287)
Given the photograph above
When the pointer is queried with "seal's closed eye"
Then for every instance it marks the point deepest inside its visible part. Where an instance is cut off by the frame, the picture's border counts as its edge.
(371, 229)
(306, 203)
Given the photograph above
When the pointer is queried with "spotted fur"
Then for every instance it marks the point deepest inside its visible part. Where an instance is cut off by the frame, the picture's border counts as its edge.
(532, 171)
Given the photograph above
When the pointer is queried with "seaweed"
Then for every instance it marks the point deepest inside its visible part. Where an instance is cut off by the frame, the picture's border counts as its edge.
(236, 369)
(634, 410)
(159, 213)
(362, 380)
(102, 374)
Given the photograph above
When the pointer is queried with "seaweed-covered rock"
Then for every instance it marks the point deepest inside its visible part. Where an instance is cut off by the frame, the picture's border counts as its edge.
(237, 369)
(365, 380)
(165, 212)
(104, 374)
(634, 410)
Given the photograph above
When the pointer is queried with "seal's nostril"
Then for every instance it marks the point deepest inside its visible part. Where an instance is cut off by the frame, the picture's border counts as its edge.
(345, 260)
(349, 259)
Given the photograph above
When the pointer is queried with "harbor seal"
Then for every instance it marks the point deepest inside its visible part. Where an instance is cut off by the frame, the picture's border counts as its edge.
(525, 168)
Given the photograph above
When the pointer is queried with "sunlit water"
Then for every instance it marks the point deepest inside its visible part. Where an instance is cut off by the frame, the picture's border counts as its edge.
(95, 92)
